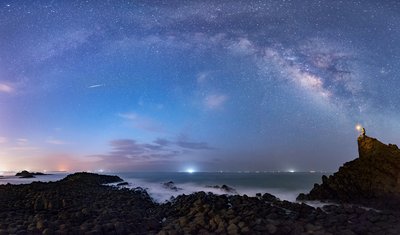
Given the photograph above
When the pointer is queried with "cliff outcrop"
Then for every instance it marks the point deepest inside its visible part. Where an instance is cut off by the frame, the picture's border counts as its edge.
(373, 179)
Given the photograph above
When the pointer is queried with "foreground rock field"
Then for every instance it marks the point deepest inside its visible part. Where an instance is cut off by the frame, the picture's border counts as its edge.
(81, 204)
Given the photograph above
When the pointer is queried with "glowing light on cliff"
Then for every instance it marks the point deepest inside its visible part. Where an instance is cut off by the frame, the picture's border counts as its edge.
(358, 127)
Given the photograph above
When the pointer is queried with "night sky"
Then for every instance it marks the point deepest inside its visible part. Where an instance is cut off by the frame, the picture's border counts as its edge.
(207, 85)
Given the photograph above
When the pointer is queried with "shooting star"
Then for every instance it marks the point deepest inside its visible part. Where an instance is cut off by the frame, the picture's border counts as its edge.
(96, 85)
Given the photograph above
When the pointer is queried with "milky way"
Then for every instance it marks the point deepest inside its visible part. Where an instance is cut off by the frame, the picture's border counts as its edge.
(208, 85)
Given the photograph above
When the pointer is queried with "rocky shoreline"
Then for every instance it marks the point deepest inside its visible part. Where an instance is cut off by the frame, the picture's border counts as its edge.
(82, 204)
(372, 179)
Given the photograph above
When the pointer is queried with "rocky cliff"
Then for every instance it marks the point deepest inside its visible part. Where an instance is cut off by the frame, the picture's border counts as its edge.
(373, 179)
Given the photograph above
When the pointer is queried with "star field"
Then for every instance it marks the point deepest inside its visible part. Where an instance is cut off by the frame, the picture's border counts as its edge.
(210, 85)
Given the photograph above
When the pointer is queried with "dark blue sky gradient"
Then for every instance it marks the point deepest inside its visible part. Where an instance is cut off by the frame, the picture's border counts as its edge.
(212, 85)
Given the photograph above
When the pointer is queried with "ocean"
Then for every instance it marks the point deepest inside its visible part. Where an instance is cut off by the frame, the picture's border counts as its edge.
(284, 185)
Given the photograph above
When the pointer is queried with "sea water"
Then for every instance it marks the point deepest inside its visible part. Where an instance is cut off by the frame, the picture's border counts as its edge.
(284, 185)
(12, 179)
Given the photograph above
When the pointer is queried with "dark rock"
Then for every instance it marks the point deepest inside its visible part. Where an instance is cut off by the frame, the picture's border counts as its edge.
(171, 185)
(25, 174)
(120, 227)
(303, 196)
(371, 179)
(91, 178)
(123, 184)
(271, 228)
(224, 188)
(347, 232)
(228, 189)
(21, 232)
(269, 197)
(41, 225)
(232, 229)
(245, 230)
(48, 231)
(39, 204)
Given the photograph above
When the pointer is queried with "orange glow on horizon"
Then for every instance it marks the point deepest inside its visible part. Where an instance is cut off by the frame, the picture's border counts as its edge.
(62, 167)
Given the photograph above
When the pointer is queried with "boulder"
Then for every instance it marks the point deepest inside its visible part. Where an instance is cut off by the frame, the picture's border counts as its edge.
(171, 185)
(224, 188)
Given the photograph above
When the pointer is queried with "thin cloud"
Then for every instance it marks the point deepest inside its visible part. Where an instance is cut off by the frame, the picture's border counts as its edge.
(142, 122)
(22, 141)
(162, 142)
(6, 88)
(153, 146)
(215, 101)
(130, 153)
(23, 148)
(126, 148)
(202, 77)
(129, 116)
(55, 141)
(194, 145)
